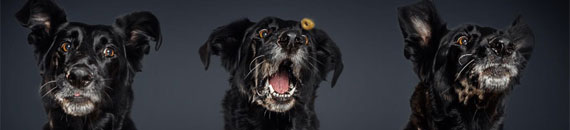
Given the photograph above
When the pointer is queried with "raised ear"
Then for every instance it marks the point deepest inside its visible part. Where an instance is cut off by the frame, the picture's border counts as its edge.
(421, 27)
(43, 17)
(522, 36)
(328, 54)
(139, 28)
(225, 42)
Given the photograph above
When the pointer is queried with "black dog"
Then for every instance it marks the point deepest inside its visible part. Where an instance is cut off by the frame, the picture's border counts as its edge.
(465, 73)
(275, 67)
(87, 70)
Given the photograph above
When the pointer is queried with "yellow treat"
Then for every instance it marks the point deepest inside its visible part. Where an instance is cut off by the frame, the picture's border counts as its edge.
(307, 24)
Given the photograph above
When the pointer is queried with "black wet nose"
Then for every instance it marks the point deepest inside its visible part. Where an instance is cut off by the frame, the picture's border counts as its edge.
(502, 46)
(290, 39)
(79, 77)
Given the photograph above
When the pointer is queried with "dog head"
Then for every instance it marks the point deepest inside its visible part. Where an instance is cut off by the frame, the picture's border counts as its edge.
(484, 59)
(275, 62)
(85, 66)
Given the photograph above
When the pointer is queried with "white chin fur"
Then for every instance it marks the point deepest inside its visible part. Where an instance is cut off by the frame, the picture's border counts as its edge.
(495, 83)
(78, 109)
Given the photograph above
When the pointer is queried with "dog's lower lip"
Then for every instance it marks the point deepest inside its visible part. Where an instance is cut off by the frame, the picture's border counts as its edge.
(496, 71)
(77, 99)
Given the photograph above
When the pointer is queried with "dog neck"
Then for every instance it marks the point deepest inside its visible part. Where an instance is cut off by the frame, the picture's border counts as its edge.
(448, 109)
(254, 116)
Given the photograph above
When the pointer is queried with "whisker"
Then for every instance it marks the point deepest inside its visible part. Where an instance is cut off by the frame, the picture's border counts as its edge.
(110, 99)
(461, 57)
(313, 67)
(49, 91)
(315, 59)
(45, 84)
(461, 71)
(254, 59)
(254, 68)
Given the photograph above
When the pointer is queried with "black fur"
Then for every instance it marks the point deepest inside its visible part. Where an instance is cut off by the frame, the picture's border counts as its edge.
(253, 57)
(87, 70)
(465, 73)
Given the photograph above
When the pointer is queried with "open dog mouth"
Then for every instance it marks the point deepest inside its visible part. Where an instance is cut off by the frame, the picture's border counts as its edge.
(279, 89)
(281, 86)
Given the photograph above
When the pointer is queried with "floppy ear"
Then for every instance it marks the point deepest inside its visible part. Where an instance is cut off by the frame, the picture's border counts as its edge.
(139, 28)
(328, 54)
(522, 36)
(225, 42)
(421, 28)
(43, 17)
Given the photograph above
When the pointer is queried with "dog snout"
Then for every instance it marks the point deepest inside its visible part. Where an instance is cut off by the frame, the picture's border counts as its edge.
(79, 76)
(502, 46)
(290, 39)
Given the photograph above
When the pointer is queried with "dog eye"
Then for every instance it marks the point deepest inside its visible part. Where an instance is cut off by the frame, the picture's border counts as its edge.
(462, 40)
(109, 52)
(306, 39)
(263, 33)
(65, 46)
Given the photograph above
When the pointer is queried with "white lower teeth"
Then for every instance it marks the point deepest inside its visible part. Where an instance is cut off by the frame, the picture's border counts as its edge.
(270, 87)
(275, 94)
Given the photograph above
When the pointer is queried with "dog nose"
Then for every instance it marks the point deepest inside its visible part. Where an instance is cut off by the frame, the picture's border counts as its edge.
(290, 39)
(502, 46)
(79, 77)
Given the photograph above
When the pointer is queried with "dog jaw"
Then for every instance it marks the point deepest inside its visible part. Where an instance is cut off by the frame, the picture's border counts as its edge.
(277, 98)
(77, 108)
(77, 102)
(276, 102)
(493, 75)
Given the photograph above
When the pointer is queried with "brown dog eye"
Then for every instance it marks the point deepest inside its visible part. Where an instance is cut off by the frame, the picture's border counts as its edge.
(306, 40)
(65, 46)
(263, 33)
(462, 40)
(109, 52)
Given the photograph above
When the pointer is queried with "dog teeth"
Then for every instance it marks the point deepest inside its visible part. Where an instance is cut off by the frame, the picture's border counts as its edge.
(292, 91)
(281, 95)
(270, 87)
(273, 93)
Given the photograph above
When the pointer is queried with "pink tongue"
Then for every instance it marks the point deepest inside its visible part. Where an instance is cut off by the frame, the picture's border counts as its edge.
(280, 82)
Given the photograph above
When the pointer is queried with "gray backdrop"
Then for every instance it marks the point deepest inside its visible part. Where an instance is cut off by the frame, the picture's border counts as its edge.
(174, 91)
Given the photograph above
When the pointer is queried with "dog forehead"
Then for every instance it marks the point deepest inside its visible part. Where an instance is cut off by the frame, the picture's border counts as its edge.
(85, 31)
(277, 23)
(472, 30)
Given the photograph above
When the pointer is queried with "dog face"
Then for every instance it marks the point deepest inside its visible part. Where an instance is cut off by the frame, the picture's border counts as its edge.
(486, 59)
(274, 62)
(86, 67)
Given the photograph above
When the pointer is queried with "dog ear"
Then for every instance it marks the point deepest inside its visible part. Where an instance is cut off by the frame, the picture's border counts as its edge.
(225, 42)
(139, 28)
(43, 17)
(522, 37)
(328, 54)
(421, 27)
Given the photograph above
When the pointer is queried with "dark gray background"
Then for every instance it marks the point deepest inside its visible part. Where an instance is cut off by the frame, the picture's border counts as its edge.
(174, 91)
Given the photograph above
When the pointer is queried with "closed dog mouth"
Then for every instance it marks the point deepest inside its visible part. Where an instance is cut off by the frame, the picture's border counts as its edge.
(495, 76)
(77, 105)
(78, 102)
(496, 72)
